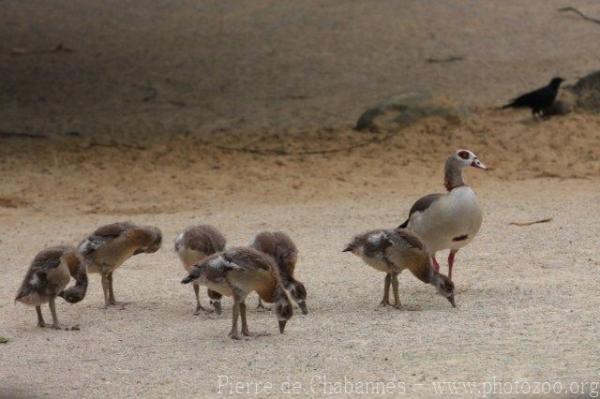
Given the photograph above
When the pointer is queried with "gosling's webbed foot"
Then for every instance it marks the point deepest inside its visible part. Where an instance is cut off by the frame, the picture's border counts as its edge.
(200, 309)
(116, 305)
(235, 335)
(247, 333)
(383, 303)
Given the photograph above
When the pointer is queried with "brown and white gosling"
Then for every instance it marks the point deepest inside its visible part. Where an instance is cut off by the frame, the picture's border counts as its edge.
(195, 244)
(392, 251)
(237, 272)
(109, 246)
(282, 249)
(47, 277)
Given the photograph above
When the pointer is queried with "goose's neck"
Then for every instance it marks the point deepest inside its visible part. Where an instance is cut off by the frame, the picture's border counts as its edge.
(424, 271)
(78, 290)
(268, 292)
(453, 175)
(77, 270)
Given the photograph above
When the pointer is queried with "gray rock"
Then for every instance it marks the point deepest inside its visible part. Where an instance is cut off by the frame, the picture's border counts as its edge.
(587, 91)
(403, 110)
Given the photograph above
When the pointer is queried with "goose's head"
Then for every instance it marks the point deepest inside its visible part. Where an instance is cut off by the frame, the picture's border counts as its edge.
(466, 158)
(152, 240)
(73, 294)
(444, 287)
(298, 293)
(283, 308)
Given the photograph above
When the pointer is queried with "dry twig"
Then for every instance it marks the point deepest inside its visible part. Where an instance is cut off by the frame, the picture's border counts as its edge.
(452, 58)
(582, 15)
(521, 224)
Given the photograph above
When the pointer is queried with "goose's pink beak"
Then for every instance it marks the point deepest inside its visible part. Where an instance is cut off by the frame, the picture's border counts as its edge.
(478, 164)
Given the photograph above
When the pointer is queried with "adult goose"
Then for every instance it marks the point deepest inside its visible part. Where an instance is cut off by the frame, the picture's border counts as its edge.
(450, 220)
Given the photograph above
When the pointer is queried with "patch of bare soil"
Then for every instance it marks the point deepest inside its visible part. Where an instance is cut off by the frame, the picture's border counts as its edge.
(86, 175)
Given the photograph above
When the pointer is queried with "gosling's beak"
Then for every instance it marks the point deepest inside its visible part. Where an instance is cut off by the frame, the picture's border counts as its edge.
(478, 164)
(451, 300)
(303, 308)
(282, 325)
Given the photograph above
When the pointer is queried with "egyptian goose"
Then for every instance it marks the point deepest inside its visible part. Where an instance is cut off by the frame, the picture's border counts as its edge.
(450, 220)
(237, 272)
(282, 249)
(46, 278)
(195, 244)
(109, 246)
(392, 251)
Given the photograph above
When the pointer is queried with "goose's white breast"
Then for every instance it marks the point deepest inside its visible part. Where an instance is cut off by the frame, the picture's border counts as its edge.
(453, 215)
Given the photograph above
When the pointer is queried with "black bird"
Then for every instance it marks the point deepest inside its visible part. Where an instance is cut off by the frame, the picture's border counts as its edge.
(538, 100)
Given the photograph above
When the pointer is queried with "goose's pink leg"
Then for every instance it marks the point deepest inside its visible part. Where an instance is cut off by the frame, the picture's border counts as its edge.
(435, 263)
(451, 262)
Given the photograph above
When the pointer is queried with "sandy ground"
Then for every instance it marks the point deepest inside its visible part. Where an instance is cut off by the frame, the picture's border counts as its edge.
(527, 304)
(527, 295)
(239, 114)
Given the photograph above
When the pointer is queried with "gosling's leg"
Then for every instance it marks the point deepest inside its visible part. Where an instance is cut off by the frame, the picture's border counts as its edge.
(40, 317)
(105, 290)
(234, 334)
(386, 291)
(55, 323)
(245, 330)
(111, 293)
(199, 307)
(394, 277)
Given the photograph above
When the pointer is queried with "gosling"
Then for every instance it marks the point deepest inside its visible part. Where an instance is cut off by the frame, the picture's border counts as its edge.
(392, 251)
(282, 249)
(237, 272)
(47, 277)
(193, 245)
(111, 245)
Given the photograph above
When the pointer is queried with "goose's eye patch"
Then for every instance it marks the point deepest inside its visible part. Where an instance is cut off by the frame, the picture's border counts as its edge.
(463, 154)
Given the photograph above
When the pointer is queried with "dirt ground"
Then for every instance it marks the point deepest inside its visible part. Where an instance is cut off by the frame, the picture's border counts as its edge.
(239, 114)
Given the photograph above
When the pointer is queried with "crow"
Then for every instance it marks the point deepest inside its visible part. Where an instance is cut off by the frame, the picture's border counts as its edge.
(538, 100)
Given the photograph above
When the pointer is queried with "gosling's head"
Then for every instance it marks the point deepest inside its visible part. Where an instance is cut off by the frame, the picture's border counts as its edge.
(298, 293)
(73, 294)
(283, 308)
(152, 240)
(444, 287)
